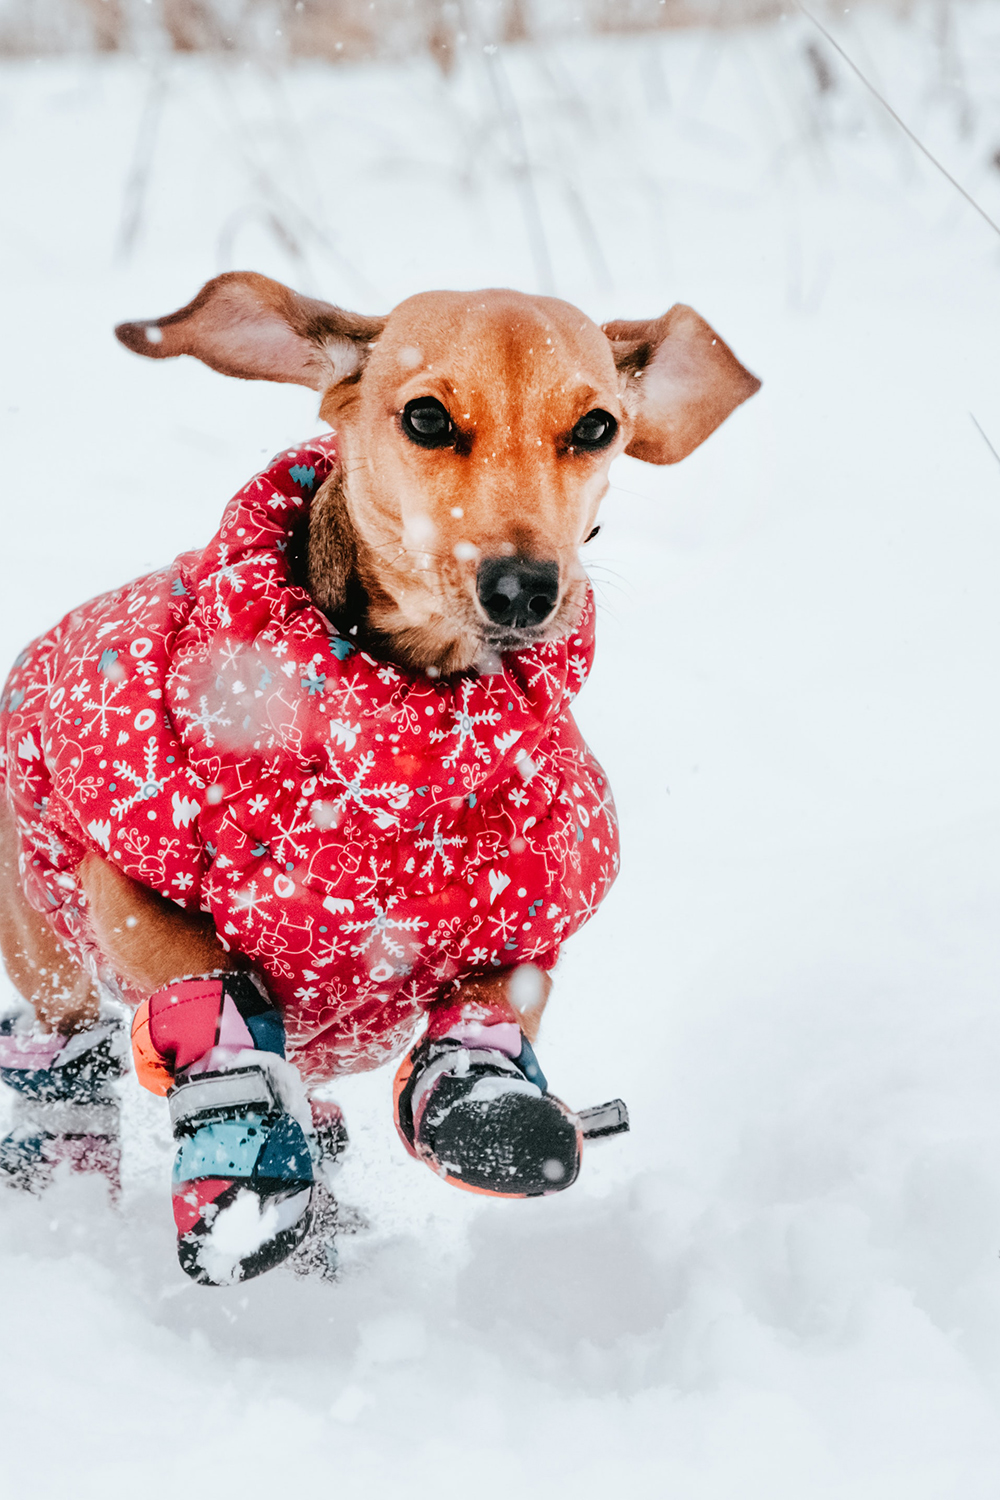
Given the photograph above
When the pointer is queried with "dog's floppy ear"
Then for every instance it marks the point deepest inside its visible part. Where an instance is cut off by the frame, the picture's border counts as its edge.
(679, 382)
(247, 325)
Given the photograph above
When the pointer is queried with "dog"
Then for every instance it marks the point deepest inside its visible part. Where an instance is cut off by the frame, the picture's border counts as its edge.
(422, 563)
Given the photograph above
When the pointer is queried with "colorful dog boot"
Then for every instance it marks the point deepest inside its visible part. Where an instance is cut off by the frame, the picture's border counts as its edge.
(66, 1109)
(243, 1175)
(472, 1102)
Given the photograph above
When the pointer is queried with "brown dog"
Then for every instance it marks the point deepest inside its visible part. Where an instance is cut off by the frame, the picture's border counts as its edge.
(476, 432)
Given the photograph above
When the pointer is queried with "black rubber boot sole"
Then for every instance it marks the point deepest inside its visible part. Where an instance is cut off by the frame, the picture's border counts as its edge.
(517, 1144)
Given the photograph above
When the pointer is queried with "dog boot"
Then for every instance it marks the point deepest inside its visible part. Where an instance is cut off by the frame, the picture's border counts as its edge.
(66, 1108)
(472, 1102)
(244, 1172)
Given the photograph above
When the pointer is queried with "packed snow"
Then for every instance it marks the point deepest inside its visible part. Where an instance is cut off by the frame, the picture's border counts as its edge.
(785, 1282)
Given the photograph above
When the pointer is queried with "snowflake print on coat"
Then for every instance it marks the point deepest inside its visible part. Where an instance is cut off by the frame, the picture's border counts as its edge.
(369, 836)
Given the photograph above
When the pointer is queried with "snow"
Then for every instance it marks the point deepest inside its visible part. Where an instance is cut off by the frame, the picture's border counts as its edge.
(241, 1229)
(785, 1281)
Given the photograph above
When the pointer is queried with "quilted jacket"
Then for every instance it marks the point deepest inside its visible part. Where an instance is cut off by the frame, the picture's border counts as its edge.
(368, 835)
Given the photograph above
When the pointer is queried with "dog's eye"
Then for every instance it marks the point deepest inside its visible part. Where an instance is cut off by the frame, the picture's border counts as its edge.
(596, 430)
(590, 535)
(426, 422)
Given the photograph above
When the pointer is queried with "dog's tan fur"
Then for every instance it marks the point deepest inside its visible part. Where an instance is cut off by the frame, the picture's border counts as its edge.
(396, 535)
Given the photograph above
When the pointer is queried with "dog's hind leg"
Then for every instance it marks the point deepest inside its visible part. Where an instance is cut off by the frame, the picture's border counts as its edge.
(210, 1036)
(62, 1067)
(62, 994)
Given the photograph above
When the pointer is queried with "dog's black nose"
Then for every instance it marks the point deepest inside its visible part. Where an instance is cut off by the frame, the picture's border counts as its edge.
(518, 591)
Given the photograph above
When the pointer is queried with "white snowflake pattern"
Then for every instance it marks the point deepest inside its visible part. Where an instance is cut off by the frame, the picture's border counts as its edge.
(205, 719)
(438, 845)
(588, 904)
(604, 807)
(99, 711)
(344, 695)
(146, 787)
(327, 950)
(548, 675)
(62, 715)
(504, 926)
(231, 655)
(229, 572)
(87, 653)
(464, 727)
(293, 836)
(395, 794)
(46, 841)
(380, 927)
(250, 901)
(537, 948)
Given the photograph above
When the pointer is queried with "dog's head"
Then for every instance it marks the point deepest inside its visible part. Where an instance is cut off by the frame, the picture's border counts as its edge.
(476, 430)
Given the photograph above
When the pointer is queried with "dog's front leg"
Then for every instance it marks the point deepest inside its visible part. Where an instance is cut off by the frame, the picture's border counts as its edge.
(147, 940)
(471, 1100)
(518, 995)
(209, 1036)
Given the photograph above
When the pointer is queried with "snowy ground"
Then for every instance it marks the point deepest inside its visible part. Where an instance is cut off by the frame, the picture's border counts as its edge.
(785, 1283)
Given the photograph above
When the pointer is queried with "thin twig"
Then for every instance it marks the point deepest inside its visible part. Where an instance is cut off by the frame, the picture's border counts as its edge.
(510, 116)
(985, 439)
(137, 181)
(901, 123)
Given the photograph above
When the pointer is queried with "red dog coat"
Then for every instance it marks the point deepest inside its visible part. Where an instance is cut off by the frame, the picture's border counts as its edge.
(368, 835)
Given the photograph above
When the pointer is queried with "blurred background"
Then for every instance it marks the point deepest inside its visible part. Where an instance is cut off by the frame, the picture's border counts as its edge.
(346, 30)
(571, 146)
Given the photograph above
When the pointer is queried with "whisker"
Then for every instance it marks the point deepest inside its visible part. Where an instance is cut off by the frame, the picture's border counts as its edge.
(636, 495)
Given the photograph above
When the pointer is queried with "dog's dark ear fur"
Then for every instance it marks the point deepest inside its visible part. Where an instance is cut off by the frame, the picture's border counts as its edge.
(333, 556)
(257, 329)
(679, 382)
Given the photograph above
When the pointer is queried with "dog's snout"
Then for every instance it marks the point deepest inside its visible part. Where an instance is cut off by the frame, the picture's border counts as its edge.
(518, 592)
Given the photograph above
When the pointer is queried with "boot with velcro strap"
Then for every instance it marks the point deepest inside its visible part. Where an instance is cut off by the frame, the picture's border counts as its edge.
(245, 1171)
(243, 1175)
(482, 1118)
(65, 1108)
